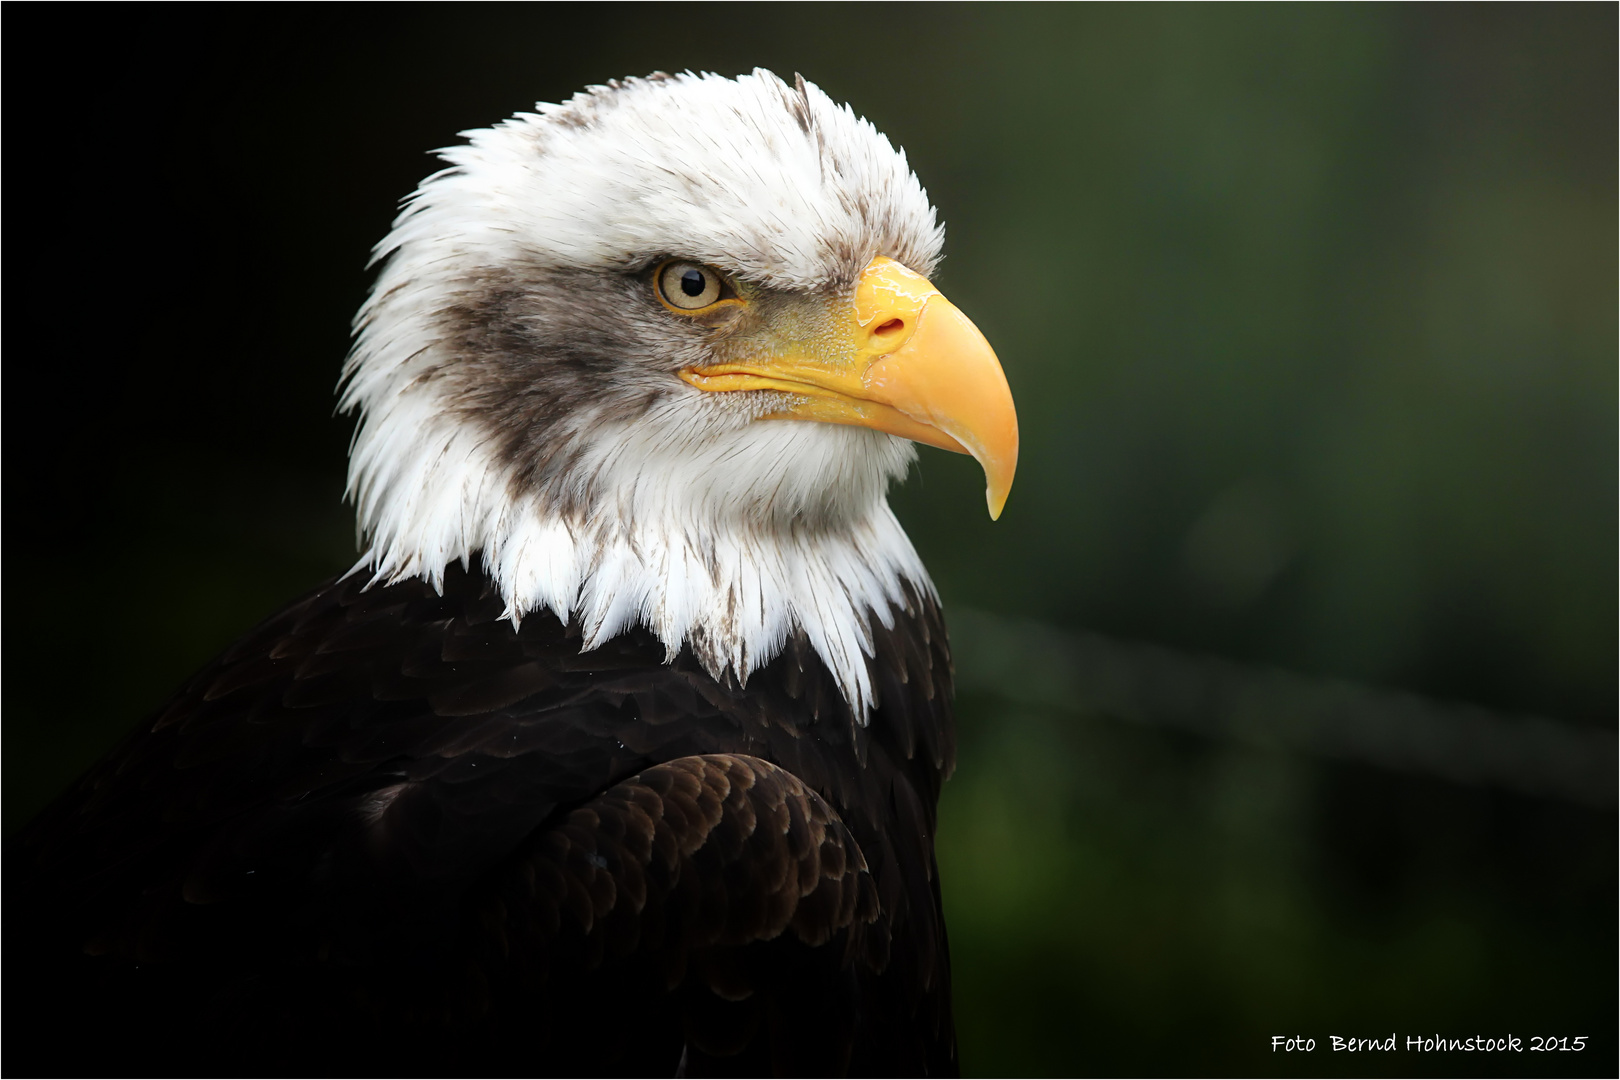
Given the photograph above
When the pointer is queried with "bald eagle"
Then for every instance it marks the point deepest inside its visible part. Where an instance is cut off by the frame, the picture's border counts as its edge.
(619, 750)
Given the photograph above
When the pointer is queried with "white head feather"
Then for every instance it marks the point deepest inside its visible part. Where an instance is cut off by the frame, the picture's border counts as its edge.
(713, 528)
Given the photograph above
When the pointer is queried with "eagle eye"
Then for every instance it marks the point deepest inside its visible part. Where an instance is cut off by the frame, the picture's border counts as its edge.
(686, 286)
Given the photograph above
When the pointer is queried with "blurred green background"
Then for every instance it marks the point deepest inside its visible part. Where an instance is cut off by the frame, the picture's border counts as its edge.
(1310, 314)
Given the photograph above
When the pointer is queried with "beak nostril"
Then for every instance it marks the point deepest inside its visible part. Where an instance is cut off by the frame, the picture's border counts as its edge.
(893, 326)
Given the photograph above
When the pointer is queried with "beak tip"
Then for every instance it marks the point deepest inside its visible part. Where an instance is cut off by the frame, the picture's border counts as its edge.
(998, 477)
(995, 504)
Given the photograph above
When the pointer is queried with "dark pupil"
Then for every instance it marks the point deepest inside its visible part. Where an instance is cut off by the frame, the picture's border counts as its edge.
(692, 283)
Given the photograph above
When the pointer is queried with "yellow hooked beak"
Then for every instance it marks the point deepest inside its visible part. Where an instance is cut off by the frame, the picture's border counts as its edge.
(912, 365)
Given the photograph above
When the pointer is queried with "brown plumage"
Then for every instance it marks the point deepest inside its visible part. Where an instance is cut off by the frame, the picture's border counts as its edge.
(386, 832)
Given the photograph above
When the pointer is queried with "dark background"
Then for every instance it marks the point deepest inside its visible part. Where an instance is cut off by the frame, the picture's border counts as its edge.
(1310, 314)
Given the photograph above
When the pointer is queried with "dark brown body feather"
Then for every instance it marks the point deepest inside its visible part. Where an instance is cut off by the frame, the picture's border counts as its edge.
(388, 833)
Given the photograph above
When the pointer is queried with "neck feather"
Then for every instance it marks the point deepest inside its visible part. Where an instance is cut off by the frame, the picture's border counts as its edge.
(699, 566)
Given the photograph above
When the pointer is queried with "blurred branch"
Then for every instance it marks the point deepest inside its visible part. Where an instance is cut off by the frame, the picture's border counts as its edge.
(1034, 664)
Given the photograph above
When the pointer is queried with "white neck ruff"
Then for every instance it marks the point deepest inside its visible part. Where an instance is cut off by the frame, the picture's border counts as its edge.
(672, 548)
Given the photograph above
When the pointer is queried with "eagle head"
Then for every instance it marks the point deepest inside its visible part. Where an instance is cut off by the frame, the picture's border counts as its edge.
(655, 355)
